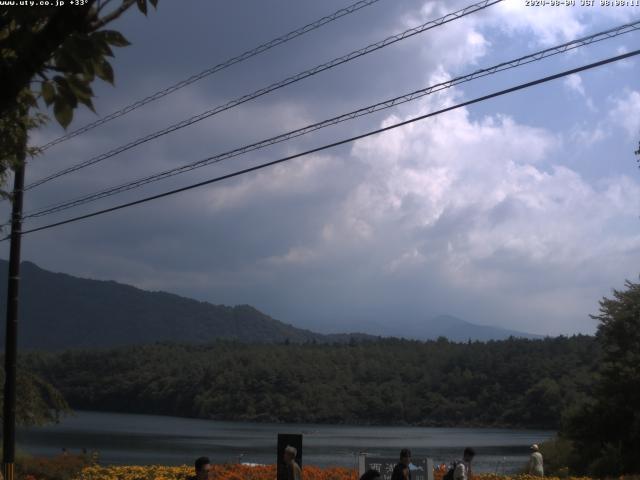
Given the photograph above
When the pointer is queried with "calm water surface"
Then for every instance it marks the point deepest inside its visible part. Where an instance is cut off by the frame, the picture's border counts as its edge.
(148, 439)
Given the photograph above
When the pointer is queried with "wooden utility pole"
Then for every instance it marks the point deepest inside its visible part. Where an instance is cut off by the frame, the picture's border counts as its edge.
(11, 336)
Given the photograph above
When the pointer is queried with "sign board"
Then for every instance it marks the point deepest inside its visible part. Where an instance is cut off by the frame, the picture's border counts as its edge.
(421, 468)
(284, 440)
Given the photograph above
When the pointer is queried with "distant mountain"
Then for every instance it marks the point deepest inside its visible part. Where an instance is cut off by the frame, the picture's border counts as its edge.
(458, 330)
(453, 328)
(60, 311)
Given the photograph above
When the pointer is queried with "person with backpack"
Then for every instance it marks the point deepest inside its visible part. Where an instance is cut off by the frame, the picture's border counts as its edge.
(461, 469)
(402, 471)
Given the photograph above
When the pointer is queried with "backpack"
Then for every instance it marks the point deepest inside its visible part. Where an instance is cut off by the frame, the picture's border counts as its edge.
(451, 471)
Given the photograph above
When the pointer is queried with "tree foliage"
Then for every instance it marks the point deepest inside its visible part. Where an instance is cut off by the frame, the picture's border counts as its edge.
(525, 383)
(49, 58)
(55, 53)
(14, 130)
(39, 402)
(606, 431)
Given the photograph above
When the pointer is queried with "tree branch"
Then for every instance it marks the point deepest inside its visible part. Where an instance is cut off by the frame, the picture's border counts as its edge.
(126, 4)
(104, 4)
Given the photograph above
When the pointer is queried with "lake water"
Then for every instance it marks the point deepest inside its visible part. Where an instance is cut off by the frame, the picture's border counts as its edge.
(147, 439)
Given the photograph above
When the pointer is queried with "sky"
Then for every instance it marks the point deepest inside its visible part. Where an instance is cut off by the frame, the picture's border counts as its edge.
(519, 212)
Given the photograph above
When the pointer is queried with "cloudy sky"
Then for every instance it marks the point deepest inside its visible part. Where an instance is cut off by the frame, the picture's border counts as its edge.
(520, 212)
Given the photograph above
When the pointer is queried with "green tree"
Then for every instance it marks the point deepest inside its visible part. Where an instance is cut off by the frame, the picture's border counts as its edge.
(49, 57)
(515, 382)
(40, 402)
(606, 431)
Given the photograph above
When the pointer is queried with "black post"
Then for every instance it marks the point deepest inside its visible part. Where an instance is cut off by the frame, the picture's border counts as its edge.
(11, 337)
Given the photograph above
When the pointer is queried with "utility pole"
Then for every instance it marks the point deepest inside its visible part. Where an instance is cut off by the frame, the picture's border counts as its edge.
(11, 336)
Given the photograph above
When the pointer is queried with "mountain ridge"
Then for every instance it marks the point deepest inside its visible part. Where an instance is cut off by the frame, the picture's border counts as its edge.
(61, 311)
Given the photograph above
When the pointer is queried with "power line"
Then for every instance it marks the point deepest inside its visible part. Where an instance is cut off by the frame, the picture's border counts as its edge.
(210, 71)
(533, 57)
(274, 86)
(335, 144)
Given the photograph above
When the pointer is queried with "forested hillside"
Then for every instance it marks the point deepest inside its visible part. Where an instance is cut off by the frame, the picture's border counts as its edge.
(60, 311)
(516, 382)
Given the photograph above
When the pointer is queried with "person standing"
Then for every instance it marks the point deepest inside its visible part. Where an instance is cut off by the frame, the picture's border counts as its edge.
(463, 469)
(402, 471)
(294, 472)
(536, 462)
(202, 466)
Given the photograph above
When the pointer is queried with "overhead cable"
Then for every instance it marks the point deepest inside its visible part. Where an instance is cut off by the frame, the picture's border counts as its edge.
(274, 86)
(334, 144)
(533, 57)
(211, 70)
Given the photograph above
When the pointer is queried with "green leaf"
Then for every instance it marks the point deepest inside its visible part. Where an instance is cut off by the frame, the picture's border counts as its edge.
(63, 112)
(89, 73)
(142, 6)
(88, 49)
(66, 61)
(104, 49)
(4, 33)
(65, 92)
(88, 103)
(79, 45)
(154, 3)
(30, 100)
(112, 38)
(61, 81)
(48, 93)
(80, 87)
(104, 71)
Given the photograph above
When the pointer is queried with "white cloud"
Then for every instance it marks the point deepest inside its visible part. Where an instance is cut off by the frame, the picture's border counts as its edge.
(574, 83)
(471, 205)
(586, 135)
(295, 256)
(624, 64)
(297, 177)
(623, 114)
(465, 199)
(550, 25)
(626, 113)
(459, 44)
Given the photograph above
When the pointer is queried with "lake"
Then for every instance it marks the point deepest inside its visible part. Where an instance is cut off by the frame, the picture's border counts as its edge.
(147, 439)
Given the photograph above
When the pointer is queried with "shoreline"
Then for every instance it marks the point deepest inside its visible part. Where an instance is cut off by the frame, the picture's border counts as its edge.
(276, 422)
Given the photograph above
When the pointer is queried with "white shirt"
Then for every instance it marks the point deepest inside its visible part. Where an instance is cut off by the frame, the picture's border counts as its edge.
(297, 471)
(461, 472)
(536, 464)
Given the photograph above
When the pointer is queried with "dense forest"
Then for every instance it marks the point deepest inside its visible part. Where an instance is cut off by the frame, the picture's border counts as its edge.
(516, 382)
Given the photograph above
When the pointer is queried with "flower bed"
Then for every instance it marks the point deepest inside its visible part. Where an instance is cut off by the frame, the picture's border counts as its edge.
(240, 472)
(51, 469)
(221, 472)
